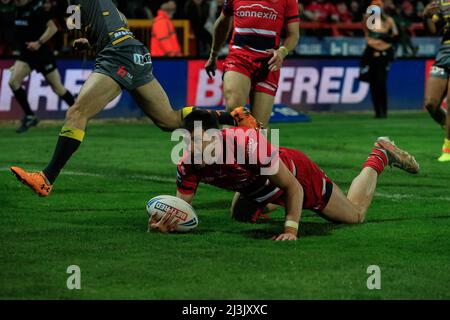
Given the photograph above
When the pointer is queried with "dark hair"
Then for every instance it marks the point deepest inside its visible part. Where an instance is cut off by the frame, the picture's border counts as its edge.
(208, 120)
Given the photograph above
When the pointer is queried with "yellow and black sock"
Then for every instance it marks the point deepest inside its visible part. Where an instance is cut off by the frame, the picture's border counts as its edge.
(223, 117)
(68, 142)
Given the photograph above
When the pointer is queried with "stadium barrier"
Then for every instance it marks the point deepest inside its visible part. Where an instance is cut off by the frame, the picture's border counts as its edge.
(305, 85)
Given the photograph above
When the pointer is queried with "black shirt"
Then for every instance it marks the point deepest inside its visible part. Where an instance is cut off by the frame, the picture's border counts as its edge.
(31, 22)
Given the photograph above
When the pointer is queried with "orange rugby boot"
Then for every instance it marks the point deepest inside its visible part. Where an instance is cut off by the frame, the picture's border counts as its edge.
(244, 118)
(35, 180)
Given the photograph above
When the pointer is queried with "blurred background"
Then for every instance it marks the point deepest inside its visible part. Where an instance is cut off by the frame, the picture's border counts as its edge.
(194, 20)
(321, 75)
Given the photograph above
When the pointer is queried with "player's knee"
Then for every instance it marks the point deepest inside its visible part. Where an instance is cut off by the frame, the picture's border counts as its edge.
(430, 105)
(233, 99)
(75, 113)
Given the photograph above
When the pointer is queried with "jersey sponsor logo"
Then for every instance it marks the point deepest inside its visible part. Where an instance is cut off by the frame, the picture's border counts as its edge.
(181, 215)
(257, 11)
(142, 60)
(123, 73)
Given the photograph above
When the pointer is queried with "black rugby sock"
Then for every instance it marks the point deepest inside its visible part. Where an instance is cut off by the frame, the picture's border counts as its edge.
(21, 97)
(69, 141)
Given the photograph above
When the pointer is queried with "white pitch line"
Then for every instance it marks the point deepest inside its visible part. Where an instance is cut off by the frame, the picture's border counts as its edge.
(397, 196)
(98, 175)
(392, 196)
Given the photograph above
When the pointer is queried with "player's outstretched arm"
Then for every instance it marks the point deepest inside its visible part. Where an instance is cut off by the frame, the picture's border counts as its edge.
(294, 201)
(186, 197)
(51, 30)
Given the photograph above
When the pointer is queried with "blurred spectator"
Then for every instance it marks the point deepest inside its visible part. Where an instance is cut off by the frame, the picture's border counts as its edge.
(356, 12)
(6, 27)
(197, 11)
(136, 9)
(215, 9)
(164, 41)
(343, 12)
(403, 17)
(322, 11)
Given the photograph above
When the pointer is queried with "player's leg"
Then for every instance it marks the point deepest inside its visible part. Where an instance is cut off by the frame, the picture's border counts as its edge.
(21, 70)
(353, 207)
(262, 106)
(96, 93)
(236, 89)
(445, 157)
(54, 79)
(153, 100)
(435, 92)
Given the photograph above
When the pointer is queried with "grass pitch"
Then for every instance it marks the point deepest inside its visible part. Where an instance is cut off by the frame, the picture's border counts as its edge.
(96, 219)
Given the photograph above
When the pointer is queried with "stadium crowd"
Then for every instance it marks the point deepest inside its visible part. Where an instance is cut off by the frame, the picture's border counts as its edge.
(203, 13)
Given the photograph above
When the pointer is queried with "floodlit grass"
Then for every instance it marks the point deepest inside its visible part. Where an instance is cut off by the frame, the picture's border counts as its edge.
(96, 219)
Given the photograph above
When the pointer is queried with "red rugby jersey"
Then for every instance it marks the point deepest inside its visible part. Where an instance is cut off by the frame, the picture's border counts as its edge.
(258, 24)
(245, 178)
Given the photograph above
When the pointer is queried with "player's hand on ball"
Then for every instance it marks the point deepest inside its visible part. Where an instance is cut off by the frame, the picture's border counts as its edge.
(167, 224)
(33, 46)
(285, 237)
(81, 44)
(211, 67)
(276, 62)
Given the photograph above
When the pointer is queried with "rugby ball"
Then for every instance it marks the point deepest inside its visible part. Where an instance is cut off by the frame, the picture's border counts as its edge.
(182, 210)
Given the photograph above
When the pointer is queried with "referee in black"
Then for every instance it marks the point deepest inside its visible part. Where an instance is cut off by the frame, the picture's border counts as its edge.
(35, 26)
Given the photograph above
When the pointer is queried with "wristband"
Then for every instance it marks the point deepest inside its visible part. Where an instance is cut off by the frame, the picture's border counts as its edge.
(284, 50)
(40, 42)
(291, 224)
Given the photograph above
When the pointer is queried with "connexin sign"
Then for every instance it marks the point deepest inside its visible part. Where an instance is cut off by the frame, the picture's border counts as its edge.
(305, 84)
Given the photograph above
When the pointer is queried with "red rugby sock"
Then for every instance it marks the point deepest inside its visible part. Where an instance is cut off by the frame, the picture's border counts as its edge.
(377, 160)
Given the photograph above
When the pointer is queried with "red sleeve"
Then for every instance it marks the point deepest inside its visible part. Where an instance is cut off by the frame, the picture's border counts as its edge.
(292, 14)
(187, 182)
(261, 151)
(228, 8)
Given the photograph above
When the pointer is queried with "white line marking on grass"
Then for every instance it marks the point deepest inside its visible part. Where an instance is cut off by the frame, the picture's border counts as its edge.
(99, 175)
(397, 196)
(392, 196)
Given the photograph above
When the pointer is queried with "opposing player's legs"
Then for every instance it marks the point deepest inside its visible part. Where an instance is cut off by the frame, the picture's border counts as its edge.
(236, 89)
(435, 93)
(352, 208)
(54, 79)
(153, 100)
(445, 157)
(21, 70)
(262, 106)
(96, 93)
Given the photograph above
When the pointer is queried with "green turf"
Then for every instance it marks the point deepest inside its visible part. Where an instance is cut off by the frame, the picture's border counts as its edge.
(98, 221)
